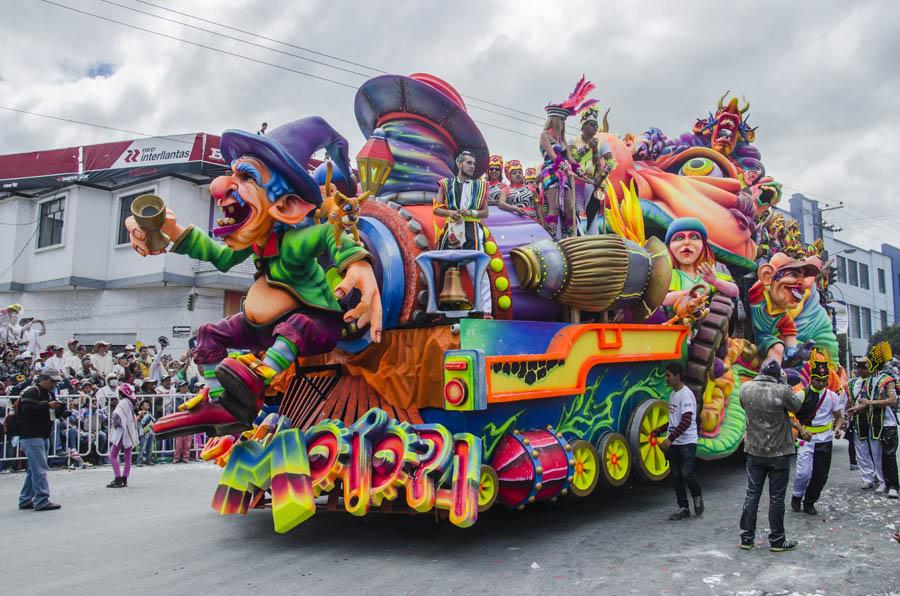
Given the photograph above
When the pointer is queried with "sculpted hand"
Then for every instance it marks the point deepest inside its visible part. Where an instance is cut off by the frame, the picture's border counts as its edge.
(708, 273)
(368, 312)
(139, 240)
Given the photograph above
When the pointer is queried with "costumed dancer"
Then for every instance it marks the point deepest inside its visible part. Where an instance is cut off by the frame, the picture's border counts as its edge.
(462, 201)
(497, 190)
(124, 435)
(596, 161)
(877, 421)
(818, 423)
(559, 168)
(520, 198)
(693, 261)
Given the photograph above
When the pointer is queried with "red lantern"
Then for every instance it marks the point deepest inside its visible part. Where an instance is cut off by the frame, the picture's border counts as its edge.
(375, 163)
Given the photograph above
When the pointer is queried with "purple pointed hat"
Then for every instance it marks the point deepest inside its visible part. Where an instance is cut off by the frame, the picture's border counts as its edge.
(287, 150)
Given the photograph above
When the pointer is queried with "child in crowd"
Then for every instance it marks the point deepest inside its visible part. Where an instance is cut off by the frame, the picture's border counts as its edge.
(145, 422)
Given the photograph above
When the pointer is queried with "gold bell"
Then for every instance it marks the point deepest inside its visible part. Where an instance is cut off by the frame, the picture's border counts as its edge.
(453, 297)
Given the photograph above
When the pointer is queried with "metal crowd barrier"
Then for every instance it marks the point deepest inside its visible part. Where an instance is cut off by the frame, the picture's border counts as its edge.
(83, 436)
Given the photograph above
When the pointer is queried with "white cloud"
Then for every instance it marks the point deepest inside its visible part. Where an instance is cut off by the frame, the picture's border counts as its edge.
(821, 76)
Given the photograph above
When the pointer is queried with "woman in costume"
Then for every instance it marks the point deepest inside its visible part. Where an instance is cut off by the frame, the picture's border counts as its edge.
(123, 436)
(559, 167)
(519, 198)
(497, 190)
(693, 261)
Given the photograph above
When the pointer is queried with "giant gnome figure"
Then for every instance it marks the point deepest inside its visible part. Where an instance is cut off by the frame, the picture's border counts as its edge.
(268, 201)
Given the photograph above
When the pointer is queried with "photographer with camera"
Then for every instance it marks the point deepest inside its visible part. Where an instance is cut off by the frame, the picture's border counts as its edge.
(35, 413)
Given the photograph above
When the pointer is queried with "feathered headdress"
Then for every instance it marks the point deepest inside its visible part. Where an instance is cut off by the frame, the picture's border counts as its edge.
(879, 354)
(513, 164)
(576, 103)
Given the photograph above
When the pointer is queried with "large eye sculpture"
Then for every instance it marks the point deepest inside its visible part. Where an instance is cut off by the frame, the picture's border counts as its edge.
(701, 166)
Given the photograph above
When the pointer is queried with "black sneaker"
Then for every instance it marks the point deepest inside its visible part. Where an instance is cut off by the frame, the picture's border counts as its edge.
(682, 513)
(747, 543)
(50, 506)
(810, 509)
(116, 483)
(698, 506)
(28, 505)
(796, 503)
(783, 546)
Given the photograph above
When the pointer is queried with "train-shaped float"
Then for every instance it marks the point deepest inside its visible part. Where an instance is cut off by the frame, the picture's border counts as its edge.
(527, 366)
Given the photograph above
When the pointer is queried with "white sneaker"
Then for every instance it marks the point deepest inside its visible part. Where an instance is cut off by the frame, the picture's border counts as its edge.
(892, 494)
(880, 488)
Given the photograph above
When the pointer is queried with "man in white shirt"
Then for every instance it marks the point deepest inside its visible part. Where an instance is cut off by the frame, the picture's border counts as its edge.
(71, 359)
(120, 368)
(680, 443)
(57, 361)
(818, 423)
(110, 389)
(102, 359)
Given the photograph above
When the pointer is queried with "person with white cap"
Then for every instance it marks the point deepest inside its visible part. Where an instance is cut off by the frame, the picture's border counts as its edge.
(101, 358)
(56, 360)
(32, 329)
(10, 330)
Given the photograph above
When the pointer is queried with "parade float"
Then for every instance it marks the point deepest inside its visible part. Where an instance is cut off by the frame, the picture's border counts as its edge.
(409, 396)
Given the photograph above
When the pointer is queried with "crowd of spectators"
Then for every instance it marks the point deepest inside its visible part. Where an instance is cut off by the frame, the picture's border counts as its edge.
(90, 377)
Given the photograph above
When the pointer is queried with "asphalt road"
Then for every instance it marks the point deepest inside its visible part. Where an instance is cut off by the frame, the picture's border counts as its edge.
(159, 536)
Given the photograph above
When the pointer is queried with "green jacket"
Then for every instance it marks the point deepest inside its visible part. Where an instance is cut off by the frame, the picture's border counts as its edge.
(289, 260)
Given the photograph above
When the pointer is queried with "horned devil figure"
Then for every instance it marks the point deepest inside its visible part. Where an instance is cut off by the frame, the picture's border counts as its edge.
(269, 201)
(340, 211)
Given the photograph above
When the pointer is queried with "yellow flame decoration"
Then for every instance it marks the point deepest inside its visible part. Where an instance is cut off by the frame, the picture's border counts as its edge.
(625, 217)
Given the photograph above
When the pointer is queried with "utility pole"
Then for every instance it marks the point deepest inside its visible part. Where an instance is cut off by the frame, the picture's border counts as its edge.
(821, 225)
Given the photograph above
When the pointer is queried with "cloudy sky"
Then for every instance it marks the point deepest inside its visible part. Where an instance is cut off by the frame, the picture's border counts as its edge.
(823, 77)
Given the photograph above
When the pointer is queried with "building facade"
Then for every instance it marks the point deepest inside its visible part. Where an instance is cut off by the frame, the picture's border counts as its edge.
(66, 257)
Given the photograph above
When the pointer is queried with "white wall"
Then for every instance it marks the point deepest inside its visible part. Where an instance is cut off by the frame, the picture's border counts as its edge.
(138, 313)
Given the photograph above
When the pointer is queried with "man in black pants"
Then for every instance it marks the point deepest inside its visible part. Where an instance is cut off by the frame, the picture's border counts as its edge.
(680, 444)
(769, 445)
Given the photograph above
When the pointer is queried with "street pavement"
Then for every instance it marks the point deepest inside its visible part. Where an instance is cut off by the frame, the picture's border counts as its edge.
(159, 536)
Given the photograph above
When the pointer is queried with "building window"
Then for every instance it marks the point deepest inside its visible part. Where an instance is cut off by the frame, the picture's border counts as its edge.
(881, 285)
(854, 320)
(884, 323)
(124, 212)
(842, 270)
(864, 276)
(866, 316)
(50, 222)
(853, 270)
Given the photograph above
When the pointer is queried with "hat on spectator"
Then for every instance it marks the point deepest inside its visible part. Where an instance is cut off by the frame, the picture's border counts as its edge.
(55, 347)
(71, 341)
(166, 377)
(182, 383)
(51, 347)
(112, 376)
(16, 307)
(126, 390)
(51, 373)
(120, 355)
(129, 347)
(74, 382)
(138, 382)
(25, 354)
(101, 343)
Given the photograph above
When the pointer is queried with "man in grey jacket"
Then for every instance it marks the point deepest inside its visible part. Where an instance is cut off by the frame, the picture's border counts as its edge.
(769, 445)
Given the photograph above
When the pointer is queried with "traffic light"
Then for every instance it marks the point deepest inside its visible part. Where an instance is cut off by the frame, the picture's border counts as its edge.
(191, 298)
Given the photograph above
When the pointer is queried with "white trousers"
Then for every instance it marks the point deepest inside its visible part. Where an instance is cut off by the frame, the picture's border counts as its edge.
(868, 457)
(803, 473)
(485, 287)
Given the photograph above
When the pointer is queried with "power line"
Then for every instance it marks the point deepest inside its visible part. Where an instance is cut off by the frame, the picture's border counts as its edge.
(236, 55)
(82, 122)
(325, 64)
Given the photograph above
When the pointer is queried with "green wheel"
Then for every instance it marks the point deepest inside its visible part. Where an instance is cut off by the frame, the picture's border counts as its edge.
(615, 458)
(648, 422)
(587, 468)
(488, 488)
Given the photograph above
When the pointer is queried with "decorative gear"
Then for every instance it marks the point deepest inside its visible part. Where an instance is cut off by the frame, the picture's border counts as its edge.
(513, 164)
(819, 365)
